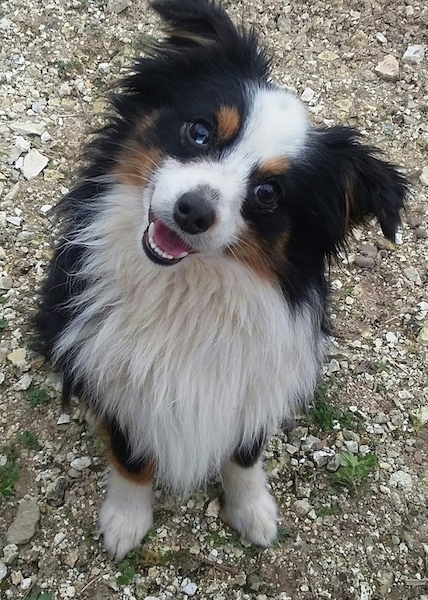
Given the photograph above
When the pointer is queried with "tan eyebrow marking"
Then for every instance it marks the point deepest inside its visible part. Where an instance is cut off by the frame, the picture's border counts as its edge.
(273, 166)
(228, 122)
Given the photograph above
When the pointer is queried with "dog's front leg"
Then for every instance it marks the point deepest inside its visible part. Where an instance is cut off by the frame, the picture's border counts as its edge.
(127, 512)
(248, 506)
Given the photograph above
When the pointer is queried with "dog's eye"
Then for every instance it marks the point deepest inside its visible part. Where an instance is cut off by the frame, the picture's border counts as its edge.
(199, 133)
(267, 194)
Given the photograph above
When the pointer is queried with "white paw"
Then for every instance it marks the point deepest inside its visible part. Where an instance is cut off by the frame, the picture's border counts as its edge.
(255, 520)
(126, 515)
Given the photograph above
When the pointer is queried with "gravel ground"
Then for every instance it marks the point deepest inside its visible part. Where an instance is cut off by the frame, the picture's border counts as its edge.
(355, 531)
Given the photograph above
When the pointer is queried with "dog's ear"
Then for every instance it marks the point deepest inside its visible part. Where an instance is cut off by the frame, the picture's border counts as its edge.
(194, 22)
(355, 184)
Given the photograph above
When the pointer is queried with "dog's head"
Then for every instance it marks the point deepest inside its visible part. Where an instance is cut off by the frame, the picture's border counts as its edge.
(229, 163)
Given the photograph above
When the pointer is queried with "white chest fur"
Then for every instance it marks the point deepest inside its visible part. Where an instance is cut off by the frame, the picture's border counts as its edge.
(191, 359)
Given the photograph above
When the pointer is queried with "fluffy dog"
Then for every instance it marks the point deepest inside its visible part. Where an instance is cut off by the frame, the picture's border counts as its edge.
(186, 300)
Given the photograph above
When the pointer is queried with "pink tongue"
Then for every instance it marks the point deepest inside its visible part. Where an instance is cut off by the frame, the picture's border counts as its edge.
(168, 241)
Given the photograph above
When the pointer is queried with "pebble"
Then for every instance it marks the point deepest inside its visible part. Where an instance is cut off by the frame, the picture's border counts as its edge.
(63, 419)
(334, 463)
(28, 127)
(23, 383)
(213, 508)
(24, 525)
(34, 163)
(401, 479)
(14, 221)
(10, 554)
(17, 358)
(414, 54)
(364, 262)
(3, 570)
(80, 463)
(328, 56)
(423, 336)
(413, 275)
(6, 283)
(351, 446)
(301, 507)
(55, 491)
(25, 583)
(188, 587)
(423, 177)
(117, 6)
(381, 38)
(307, 95)
(418, 457)
(322, 457)
(21, 145)
(388, 68)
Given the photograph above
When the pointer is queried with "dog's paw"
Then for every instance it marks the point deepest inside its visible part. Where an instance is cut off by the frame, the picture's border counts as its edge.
(255, 520)
(124, 521)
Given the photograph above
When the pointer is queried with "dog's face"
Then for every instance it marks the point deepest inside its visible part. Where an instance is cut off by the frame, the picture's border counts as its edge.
(228, 163)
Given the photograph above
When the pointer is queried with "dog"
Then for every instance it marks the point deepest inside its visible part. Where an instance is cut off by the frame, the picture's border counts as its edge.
(185, 303)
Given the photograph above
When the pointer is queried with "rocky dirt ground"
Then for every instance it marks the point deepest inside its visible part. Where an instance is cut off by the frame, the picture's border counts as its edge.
(351, 480)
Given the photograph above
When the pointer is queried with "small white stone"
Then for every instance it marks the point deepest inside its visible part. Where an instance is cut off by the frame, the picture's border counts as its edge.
(45, 137)
(70, 591)
(414, 54)
(401, 479)
(423, 177)
(10, 553)
(333, 366)
(391, 338)
(188, 587)
(81, 463)
(34, 163)
(17, 358)
(25, 583)
(28, 127)
(388, 68)
(322, 457)
(307, 95)
(213, 508)
(301, 507)
(21, 145)
(59, 537)
(351, 446)
(105, 67)
(381, 38)
(14, 221)
(45, 208)
(23, 383)
(63, 419)
(3, 570)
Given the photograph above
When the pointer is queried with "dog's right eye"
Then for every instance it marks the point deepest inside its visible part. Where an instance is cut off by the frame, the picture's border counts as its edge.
(199, 133)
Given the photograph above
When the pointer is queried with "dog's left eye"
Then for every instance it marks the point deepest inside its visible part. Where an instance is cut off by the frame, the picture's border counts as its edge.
(267, 194)
(199, 133)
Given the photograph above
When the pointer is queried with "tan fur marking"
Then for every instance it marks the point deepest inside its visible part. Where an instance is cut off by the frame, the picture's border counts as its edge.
(145, 475)
(273, 167)
(261, 257)
(228, 122)
(136, 163)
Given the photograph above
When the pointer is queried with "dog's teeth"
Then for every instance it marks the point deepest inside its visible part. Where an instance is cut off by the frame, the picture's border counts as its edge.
(167, 256)
(182, 255)
(151, 230)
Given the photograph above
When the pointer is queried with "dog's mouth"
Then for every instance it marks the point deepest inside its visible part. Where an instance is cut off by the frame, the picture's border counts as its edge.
(162, 245)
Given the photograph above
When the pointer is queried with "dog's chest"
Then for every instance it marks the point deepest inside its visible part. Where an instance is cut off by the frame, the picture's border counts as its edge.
(193, 362)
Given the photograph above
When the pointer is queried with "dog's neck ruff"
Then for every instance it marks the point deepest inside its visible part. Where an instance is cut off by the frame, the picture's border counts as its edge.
(189, 358)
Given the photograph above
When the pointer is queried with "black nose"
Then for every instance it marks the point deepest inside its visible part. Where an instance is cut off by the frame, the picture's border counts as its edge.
(193, 213)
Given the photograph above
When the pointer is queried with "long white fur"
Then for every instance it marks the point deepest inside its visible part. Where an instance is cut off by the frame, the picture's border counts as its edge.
(249, 508)
(191, 359)
(126, 514)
